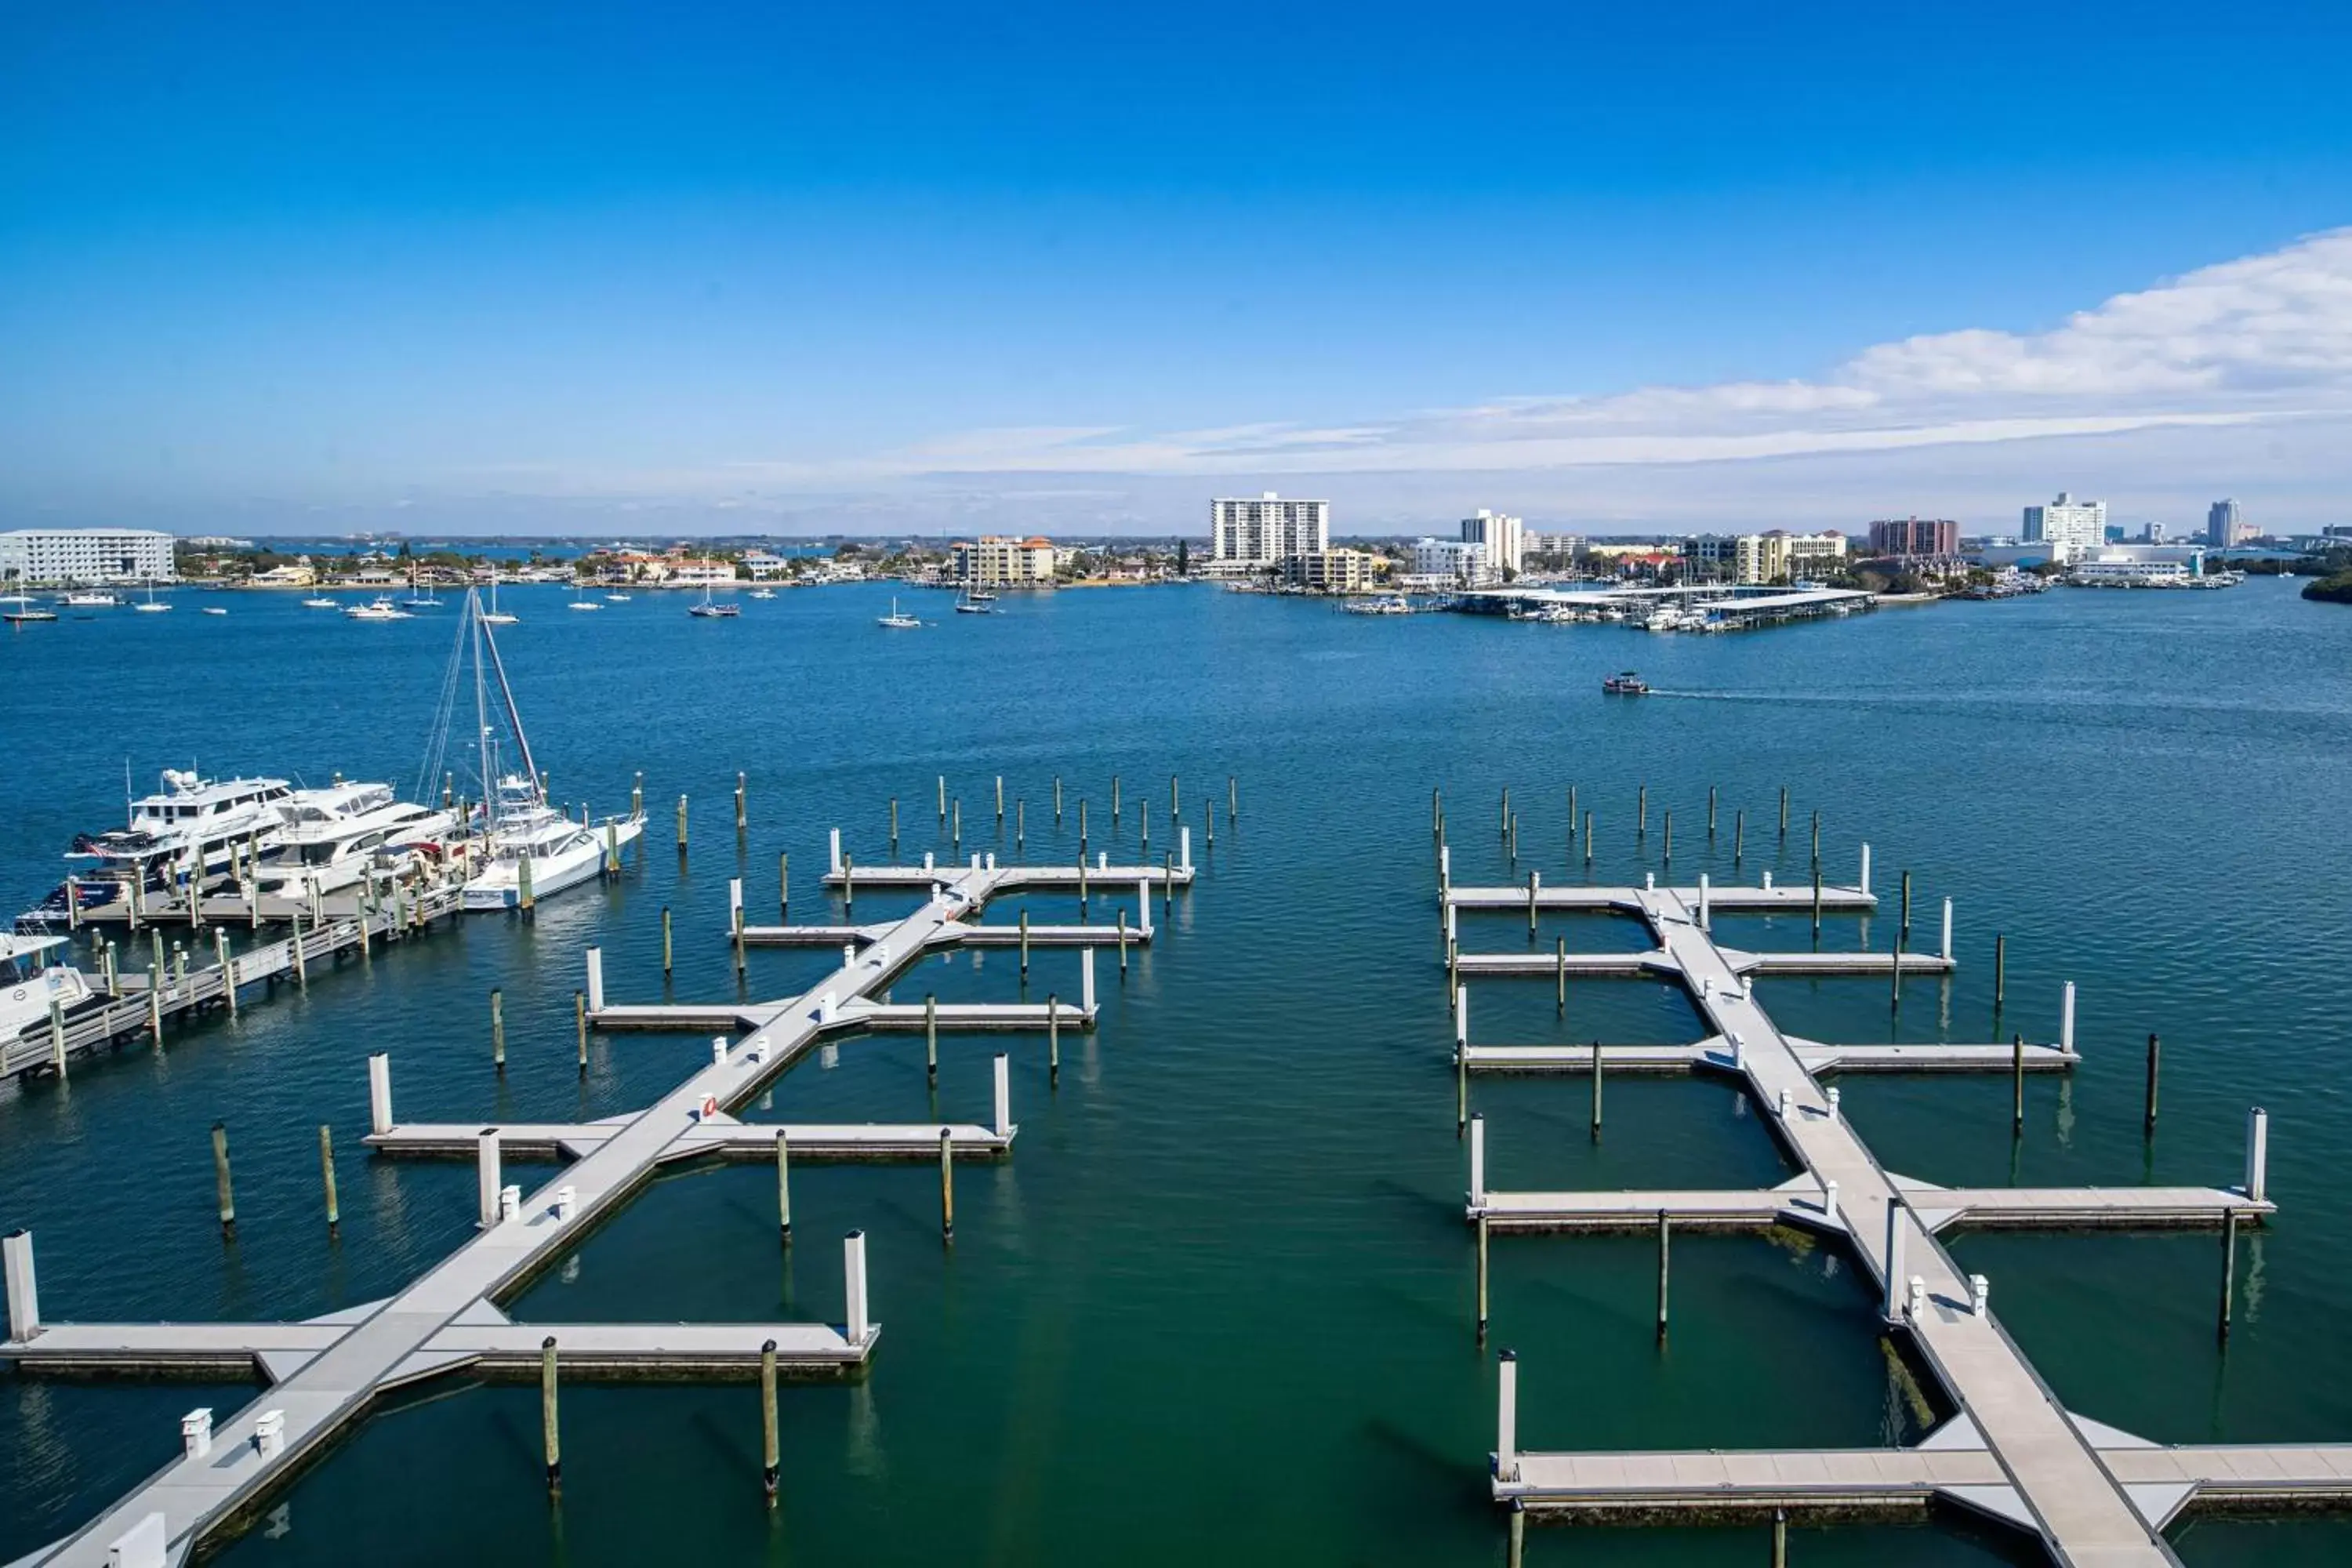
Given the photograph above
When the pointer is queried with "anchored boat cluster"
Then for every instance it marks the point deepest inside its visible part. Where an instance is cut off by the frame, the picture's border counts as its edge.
(324, 1373)
(2013, 1451)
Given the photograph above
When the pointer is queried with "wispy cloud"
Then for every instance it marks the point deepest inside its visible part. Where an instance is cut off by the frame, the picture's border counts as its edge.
(2264, 338)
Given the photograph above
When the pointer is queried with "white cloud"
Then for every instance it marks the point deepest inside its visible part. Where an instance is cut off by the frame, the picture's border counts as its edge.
(2264, 338)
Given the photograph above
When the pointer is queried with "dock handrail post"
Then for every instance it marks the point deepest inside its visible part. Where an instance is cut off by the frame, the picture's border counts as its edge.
(833, 851)
(227, 970)
(2066, 1018)
(770, 1450)
(327, 1177)
(1947, 931)
(221, 1183)
(1507, 1417)
(550, 1432)
(2258, 1152)
(1895, 1277)
(857, 1325)
(1865, 884)
(1086, 981)
(931, 1036)
(783, 1187)
(596, 978)
(486, 1174)
(1003, 1095)
(2155, 1055)
(380, 1092)
(1479, 1165)
(24, 1285)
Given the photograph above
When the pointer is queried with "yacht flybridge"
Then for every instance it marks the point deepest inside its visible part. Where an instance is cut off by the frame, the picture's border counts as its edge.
(532, 848)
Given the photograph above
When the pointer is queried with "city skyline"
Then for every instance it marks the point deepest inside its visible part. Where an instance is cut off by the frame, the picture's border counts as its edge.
(913, 271)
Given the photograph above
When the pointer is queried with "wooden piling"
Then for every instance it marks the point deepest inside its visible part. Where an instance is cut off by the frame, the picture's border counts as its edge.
(943, 799)
(931, 1036)
(1053, 1039)
(2229, 1269)
(1904, 930)
(1817, 900)
(1642, 812)
(1999, 971)
(580, 1027)
(1670, 836)
(1571, 813)
(770, 1450)
(1000, 800)
(498, 1031)
(1588, 841)
(1020, 826)
(326, 1174)
(894, 827)
(1481, 1279)
(550, 1434)
(222, 1187)
(1559, 954)
(1122, 938)
(1504, 824)
(1057, 800)
(1233, 799)
(2017, 1086)
(1817, 838)
(1596, 1092)
(1082, 832)
(1025, 944)
(1210, 809)
(1738, 836)
(741, 821)
(785, 886)
(1461, 1087)
(956, 838)
(1175, 800)
(1143, 827)
(1664, 1227)
(849, 898)
(681, 825)
(947, 1183)
(1710, 810)
(1780, 1538)
(783, 1188)
(666, 942)
(1114, 800)
(2155, 1053)
(1784, 811)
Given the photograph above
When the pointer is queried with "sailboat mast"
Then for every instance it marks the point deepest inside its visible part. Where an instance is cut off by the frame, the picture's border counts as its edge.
(482, 713)
(514, 716)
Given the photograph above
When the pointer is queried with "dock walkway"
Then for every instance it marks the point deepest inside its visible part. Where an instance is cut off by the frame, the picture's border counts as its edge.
(2027, 1459)
(449, 1318)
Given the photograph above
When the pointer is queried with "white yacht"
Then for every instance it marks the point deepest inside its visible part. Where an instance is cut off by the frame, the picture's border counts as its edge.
(193, 825)
(332, 836)
(381, 608)
(320, 602)
(895, 620)
(30, 977)
(493, 618)
(91, 599)
(530, 843)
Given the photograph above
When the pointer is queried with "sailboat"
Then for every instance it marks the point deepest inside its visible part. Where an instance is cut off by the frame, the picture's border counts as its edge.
(492, 615)
(895, 619)
(416, 601)
(532, 850)
(707, 608)
(22, 609)
(149, 605)
(971, 605)
(579, 599)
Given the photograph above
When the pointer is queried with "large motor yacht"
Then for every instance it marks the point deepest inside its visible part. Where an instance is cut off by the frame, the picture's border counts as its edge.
(189, 829)
(332, 836)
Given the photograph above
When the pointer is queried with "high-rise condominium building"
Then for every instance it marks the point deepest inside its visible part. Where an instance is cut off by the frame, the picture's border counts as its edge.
(2067, 526)
(1268, 530)
(83, 556)
(2226, 526)
(1915, 536)
(1504, 537)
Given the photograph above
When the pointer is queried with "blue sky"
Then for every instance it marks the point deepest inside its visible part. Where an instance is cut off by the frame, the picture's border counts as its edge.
(638, 268)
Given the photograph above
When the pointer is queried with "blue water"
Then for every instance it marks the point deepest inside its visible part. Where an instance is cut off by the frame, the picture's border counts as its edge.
(1219, 1301)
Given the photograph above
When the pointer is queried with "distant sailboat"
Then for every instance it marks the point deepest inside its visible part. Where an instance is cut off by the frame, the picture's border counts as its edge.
(707, 609)
(149, 605)
(491, 616)
(895, 619)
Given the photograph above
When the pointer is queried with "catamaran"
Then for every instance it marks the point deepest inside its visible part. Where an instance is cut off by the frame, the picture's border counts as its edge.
(533, 849)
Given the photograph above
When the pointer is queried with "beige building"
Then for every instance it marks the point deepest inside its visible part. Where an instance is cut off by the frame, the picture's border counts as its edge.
(1757, 558)
(994, 560)
(1339, 570)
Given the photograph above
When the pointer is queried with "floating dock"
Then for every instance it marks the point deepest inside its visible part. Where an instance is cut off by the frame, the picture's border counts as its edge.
(324, 1373)
(2092, 1496)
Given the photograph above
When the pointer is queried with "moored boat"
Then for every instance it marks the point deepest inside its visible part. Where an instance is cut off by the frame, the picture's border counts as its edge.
(1625, 684)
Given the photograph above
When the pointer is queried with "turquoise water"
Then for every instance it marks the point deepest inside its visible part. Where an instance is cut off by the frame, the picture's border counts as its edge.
(1219, 1299)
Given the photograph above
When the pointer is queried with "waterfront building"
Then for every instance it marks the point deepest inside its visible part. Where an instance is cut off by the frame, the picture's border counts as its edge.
(69, 555)
(1455, 562)
(1754, 558)
(765, 565)
(1558, 549)
(1341, 570)
(690, 572)
(2225, 525)
(2068, 526)
(2138, 566)
(1266, 532)
(997, 561)
(296, 574)
(1504, 537)
(1915, 537)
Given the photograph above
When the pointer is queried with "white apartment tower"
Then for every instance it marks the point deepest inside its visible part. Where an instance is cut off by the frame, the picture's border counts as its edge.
(2067, 526)
(1268, 530)
(1504, 537)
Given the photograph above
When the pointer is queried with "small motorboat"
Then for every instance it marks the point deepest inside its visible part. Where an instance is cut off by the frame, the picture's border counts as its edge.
(1624, 684)
(212, 610)
(763, 592)
(321, 602)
